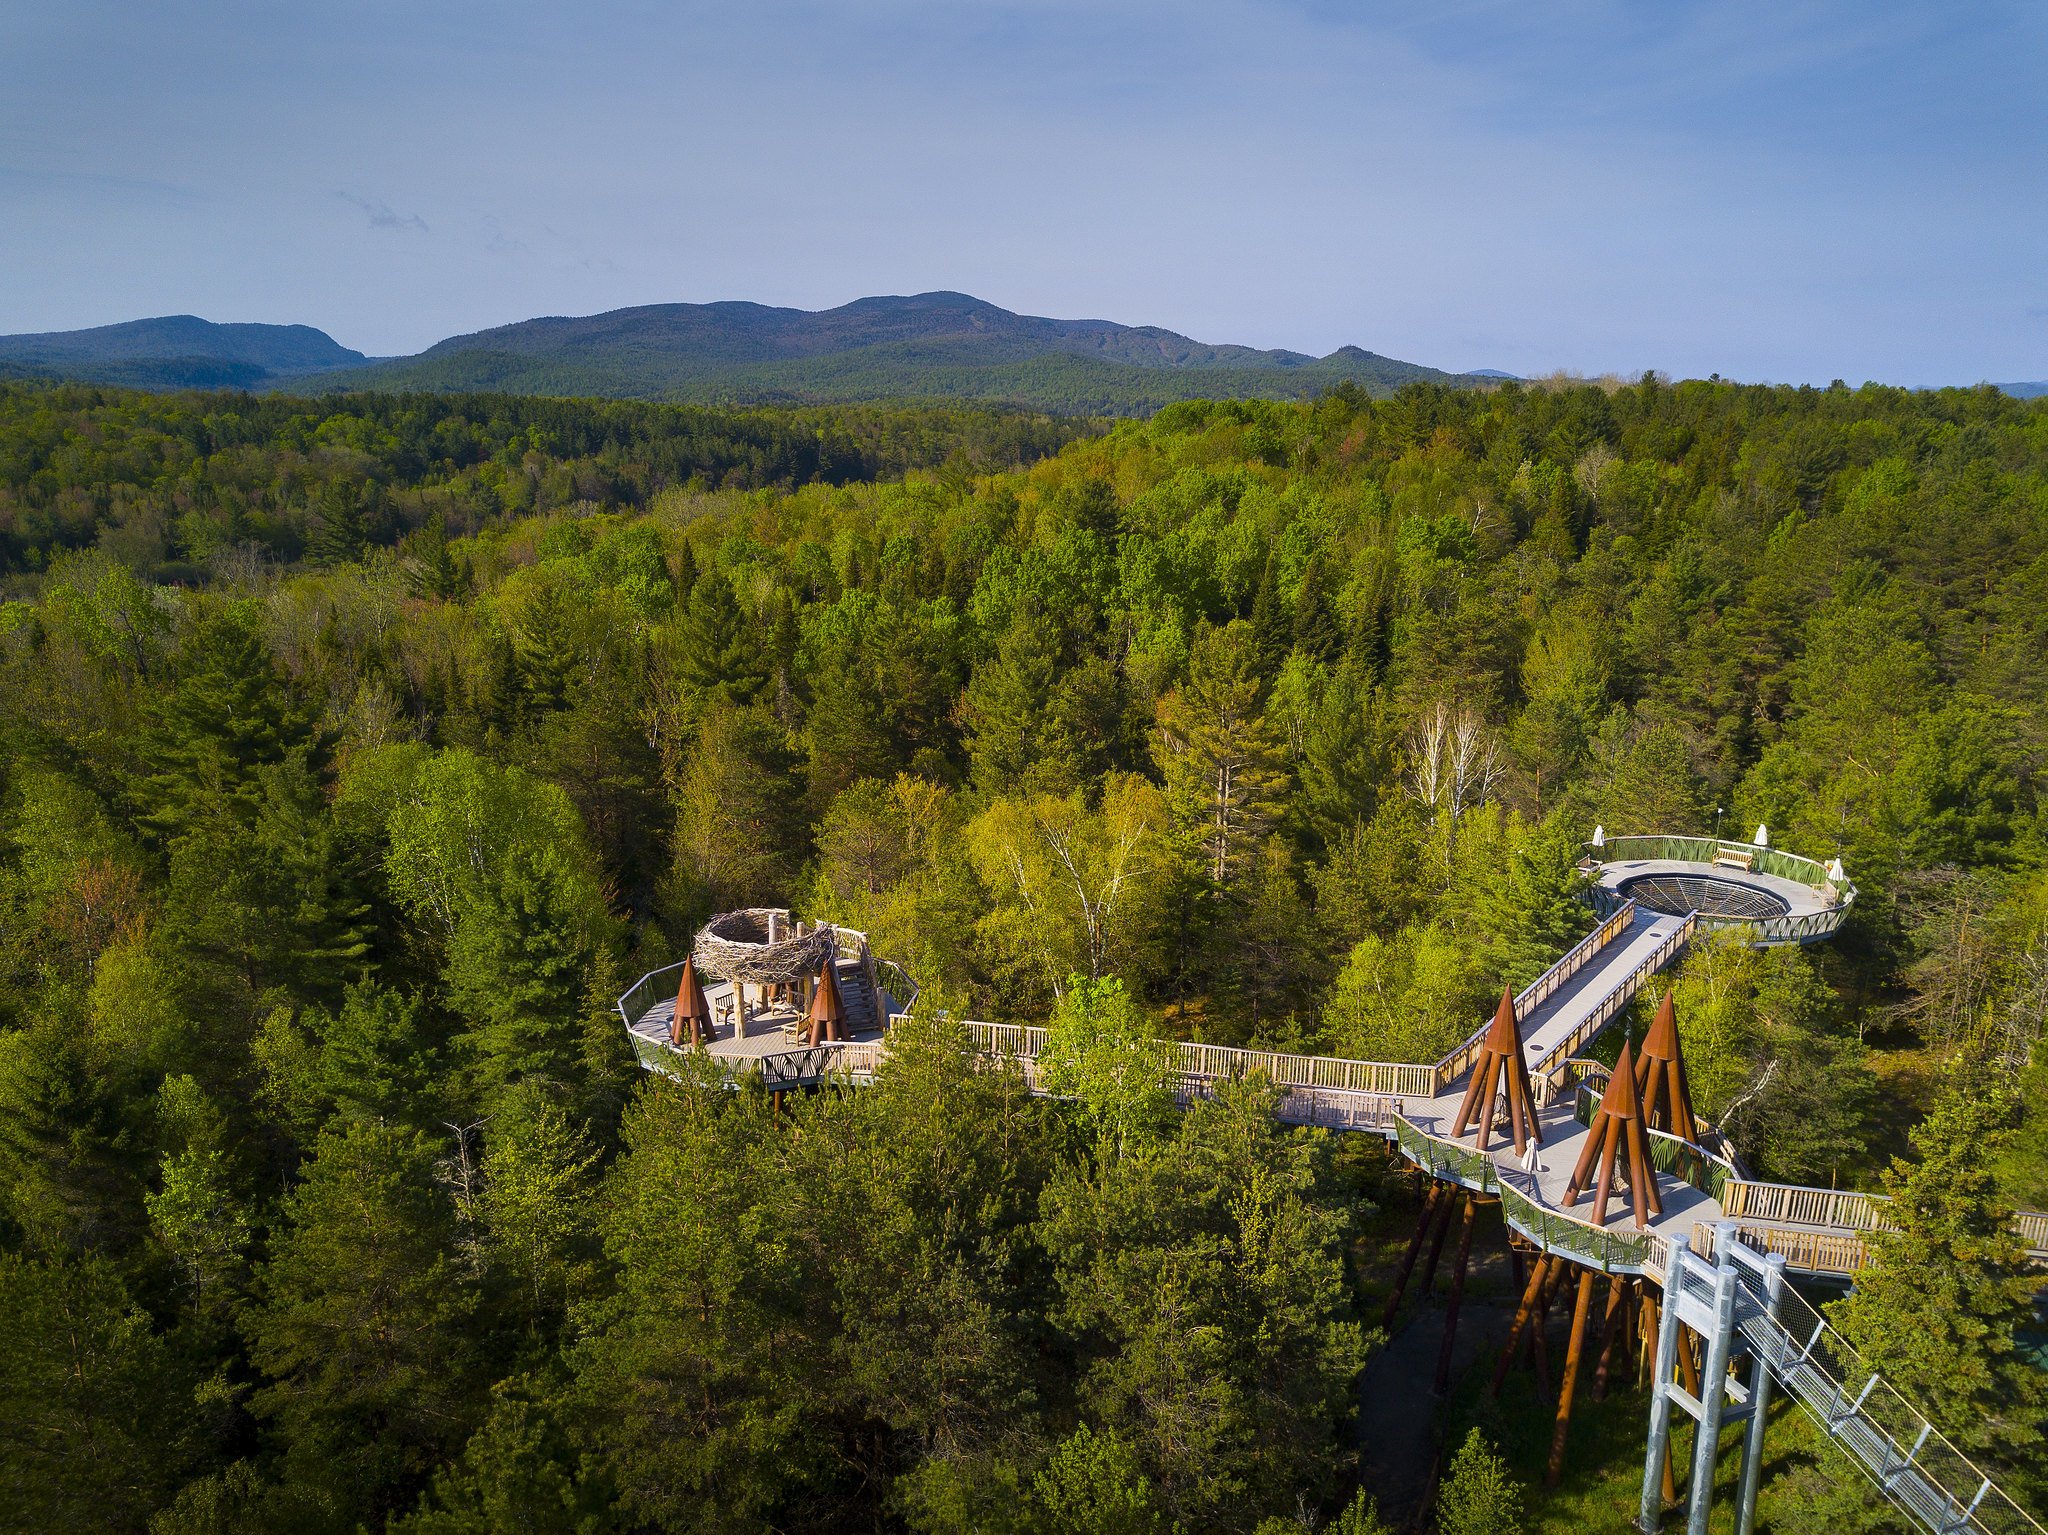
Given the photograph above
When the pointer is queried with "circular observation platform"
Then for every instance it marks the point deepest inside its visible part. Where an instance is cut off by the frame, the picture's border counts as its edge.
(1767, 896)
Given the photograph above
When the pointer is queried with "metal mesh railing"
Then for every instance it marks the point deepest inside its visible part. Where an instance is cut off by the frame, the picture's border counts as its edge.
(1600, 1247)
(1804, 928)
(1890, 1439)
(1689, 1163)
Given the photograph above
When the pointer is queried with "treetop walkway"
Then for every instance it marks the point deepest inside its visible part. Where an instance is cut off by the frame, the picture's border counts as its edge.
(1523, 1075)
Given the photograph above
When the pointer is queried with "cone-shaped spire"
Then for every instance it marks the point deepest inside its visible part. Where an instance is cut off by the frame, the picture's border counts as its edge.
(1620, 1100)
(826, 1009)
(692, 1021)
(1661, 1043)
(1618, 1130)
(1661, 1082)
(1499, 1073)
(1506, 1033)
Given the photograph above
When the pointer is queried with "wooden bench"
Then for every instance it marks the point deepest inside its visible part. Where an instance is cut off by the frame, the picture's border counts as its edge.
(1735, 856)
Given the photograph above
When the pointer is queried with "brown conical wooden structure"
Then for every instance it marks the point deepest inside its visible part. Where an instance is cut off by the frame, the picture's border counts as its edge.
(1661, 1081)
(691, 1024)
(826, 1011)
(1618, 1129)
(1501, 1072)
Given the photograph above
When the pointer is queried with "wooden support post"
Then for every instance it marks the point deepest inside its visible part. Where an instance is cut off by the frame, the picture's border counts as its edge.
(1443, 1358)
(1436, 1242)
(1422, 1224)
(1555, 1472)
(1523, 1313)
(1539, 1329)
(1539, 1354)
(1610, 1335)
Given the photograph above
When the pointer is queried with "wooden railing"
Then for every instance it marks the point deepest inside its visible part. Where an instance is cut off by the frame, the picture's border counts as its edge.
(1547, 1080)
(1789, 1204)
(1406, 1079)
(1841, 1214)
(2032, 1225)
(1192, 1059)
(1539, 991)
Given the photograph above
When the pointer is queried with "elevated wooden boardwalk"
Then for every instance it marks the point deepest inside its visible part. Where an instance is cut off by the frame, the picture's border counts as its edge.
(1707, 1206)
(1819, 1232)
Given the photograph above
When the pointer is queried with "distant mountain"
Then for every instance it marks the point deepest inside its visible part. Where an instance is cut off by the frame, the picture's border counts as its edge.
(930, 346)
(2032, 391)
(176, 352)
(933, 345)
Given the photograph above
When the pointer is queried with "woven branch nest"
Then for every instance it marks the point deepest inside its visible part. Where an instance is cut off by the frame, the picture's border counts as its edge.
(734, 946)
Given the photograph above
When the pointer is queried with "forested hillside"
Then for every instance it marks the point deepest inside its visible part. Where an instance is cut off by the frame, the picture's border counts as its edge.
(358, 754)
(927, 346)
(174, 352)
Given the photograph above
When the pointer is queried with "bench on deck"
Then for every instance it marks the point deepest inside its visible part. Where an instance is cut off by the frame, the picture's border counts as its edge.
(1733, 855)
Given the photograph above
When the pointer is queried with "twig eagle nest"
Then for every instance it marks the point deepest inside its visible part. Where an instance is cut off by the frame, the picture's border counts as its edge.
(734, 946)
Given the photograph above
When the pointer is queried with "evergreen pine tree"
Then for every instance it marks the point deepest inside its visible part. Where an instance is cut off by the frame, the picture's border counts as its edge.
(1946, 1286)
(1224, 764)
(686, 573)
(1478, 1496)
(547, 652)
(340, 531)
(94, 1407)
(207, 742)
(360, 1325)
(1272, 633)
(721, 657)
(428, 562)
(1316, 633)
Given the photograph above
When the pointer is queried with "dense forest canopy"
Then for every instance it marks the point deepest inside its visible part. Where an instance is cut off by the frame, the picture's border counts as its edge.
(359, 754)
(172, 482)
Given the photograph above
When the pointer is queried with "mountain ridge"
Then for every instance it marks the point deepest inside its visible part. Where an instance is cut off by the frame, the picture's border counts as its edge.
(177, 351)
(941, 344)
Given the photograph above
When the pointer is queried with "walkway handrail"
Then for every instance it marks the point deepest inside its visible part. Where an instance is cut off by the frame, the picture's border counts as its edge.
(647, 991)
(1843, 1214)
(1598, 1247)
(1682, 849)
(1538, 991)
(1193, 1059)
(1911, 1461)
(1794, 1205)
(1545, 1077)
(1691, 1163)
(897, 981)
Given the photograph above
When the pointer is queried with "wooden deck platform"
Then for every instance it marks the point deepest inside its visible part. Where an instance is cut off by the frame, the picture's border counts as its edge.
(777, 1029)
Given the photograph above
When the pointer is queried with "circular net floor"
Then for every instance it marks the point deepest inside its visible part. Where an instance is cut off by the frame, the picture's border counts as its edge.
(1677, 894)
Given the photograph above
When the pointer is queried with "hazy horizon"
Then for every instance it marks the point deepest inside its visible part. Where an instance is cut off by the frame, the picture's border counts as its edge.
(1828, 191)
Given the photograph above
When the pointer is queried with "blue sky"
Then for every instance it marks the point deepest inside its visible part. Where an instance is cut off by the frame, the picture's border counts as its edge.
(1787, 191)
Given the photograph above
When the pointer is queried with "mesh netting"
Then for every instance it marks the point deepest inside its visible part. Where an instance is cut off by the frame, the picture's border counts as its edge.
(1678, 894)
